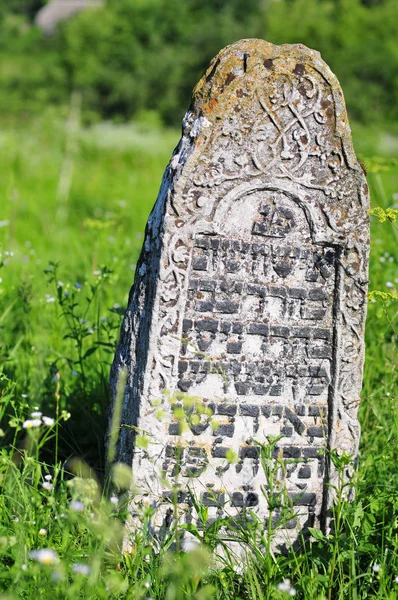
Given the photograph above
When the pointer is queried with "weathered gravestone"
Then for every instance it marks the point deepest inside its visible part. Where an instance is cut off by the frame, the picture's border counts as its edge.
(250, 291)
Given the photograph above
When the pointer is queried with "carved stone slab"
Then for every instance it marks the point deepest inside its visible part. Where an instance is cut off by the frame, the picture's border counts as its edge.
(250, 292)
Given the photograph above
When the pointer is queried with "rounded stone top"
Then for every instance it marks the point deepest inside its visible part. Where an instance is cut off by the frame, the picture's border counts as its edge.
(260, 64)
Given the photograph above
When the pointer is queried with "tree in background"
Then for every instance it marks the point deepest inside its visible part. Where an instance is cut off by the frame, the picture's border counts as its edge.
(135, 55)
(25, 7)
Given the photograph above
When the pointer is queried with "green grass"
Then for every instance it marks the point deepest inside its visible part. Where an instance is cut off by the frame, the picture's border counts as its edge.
(57, 334)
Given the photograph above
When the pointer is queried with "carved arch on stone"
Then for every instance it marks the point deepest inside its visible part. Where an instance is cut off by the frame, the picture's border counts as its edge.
(315, 219)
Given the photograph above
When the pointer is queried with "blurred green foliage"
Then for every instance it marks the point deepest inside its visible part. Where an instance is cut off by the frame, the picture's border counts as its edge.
(134, 55)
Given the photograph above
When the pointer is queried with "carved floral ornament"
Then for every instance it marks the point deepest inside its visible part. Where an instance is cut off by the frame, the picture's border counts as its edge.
(287, 130)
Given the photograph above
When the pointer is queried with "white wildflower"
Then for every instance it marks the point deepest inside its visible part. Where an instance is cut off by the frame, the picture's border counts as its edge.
(147, 584)
(45, 556)
(24, 567)
(147, 501)
(389, 284)
(48, 421)
(47, 486)
(81, 569)
(238, 569)
(48, 477)
(31, 423)
(42, 531)
(376, 567)
(16, 520)
(285, 586)
(396, 579)
(77, 506)
(114, 500)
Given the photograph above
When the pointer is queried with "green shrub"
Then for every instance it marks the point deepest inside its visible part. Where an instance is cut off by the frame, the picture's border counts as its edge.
(132, 55)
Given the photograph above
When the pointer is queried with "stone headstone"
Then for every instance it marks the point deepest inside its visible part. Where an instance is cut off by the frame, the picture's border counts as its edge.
(250, 292)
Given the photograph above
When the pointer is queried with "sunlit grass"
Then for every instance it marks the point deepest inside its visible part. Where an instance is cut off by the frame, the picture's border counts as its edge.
(57, 335)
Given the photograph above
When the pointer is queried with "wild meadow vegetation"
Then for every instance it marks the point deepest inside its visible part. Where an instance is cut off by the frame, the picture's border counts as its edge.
(74, 205)
(83, 145)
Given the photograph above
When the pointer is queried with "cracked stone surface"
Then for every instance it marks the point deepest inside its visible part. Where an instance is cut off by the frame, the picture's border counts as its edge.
(250, 292)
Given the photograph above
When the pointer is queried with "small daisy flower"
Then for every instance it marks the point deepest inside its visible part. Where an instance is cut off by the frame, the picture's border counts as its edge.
(31, 423)
(147, 501)
(46, 485)
(36, 414)
(389, 284)
(44, 556)
(238, 569)
(48, 421)
(42, 531)
(76, 505)
(285, 586)
(81, 569)
(396, 579)
(376, 567)
(48, 477)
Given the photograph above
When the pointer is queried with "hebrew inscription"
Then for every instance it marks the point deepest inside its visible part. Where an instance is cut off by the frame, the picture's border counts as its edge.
(250, 294)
